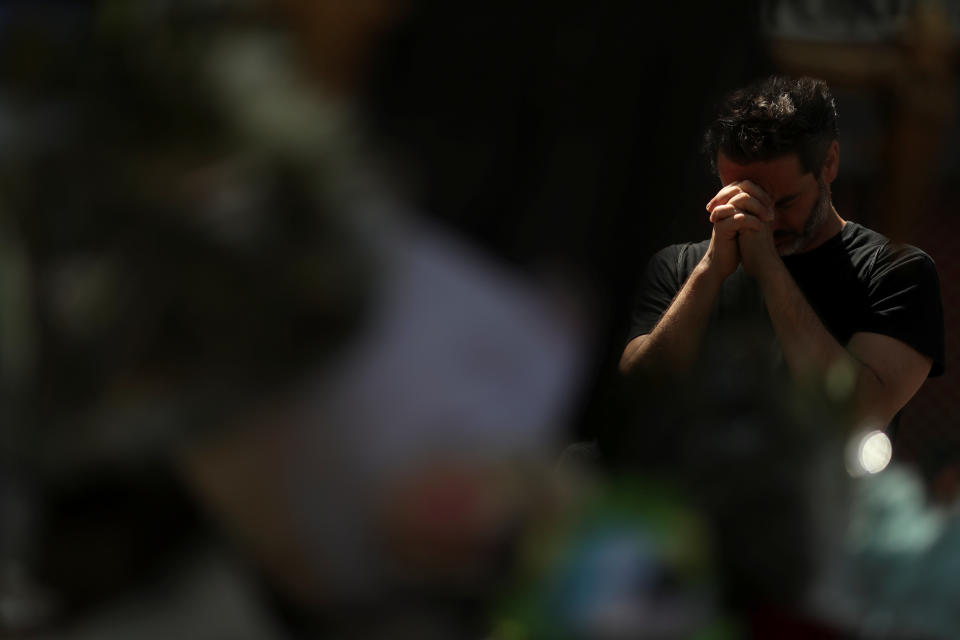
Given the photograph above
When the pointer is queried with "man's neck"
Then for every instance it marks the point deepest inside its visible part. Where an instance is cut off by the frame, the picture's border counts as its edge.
(831, 227)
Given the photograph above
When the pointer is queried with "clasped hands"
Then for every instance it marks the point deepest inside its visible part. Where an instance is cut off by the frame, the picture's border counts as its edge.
(742, 214)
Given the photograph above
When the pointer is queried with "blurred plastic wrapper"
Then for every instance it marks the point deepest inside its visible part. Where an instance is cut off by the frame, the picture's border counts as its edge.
(460, 378)
(202, 266)
(907, 556)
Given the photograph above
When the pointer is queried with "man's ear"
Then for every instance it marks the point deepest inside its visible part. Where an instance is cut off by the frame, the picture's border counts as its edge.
(831, 163)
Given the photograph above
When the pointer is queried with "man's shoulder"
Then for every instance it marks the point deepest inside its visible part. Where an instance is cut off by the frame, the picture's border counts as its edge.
(882, 252)
(903, 294)
(858, 240)
(682, 257)
(856, 234)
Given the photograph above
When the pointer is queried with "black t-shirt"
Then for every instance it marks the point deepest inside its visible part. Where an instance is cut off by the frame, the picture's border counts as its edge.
(856, 281)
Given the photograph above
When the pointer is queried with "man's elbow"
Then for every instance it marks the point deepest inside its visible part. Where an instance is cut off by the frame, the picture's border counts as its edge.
(627, 361)
(879, 398)
(632, 355)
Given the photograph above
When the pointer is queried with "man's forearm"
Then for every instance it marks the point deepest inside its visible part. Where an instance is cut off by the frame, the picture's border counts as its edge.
(675, 340)
(808, 348)
(807, 345)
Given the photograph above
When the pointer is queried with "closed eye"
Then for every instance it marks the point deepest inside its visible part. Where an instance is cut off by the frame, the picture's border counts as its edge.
(786, 201)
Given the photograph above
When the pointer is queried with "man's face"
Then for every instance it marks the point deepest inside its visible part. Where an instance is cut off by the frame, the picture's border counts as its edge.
(801, 200)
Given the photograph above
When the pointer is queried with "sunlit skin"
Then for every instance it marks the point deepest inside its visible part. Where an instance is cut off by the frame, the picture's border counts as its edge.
(794, 205)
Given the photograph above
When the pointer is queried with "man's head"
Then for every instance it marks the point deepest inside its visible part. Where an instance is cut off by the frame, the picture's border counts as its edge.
(781, 133)
(775, 117)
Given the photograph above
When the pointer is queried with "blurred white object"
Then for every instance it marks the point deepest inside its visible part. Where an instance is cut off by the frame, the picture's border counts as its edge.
(462, 362)
(868, 453)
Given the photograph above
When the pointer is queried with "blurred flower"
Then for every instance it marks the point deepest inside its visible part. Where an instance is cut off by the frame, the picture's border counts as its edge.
(633, 561)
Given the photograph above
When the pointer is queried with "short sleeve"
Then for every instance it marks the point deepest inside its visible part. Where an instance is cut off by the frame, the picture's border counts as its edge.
(904, 298)
(662, 280)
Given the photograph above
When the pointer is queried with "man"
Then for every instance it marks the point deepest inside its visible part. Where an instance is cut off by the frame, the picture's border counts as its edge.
(844, 302)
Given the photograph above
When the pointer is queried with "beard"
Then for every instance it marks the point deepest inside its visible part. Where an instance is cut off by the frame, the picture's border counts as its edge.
(818, 216)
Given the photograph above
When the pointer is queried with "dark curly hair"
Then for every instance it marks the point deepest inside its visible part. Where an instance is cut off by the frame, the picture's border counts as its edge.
(773, 117)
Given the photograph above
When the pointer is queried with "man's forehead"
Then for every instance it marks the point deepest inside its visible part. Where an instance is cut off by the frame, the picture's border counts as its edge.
(779, 176)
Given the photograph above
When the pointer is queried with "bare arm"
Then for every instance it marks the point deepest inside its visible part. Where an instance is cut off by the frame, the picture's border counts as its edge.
(886, 372)
(674, 342)
(675, 339)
